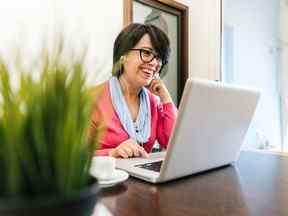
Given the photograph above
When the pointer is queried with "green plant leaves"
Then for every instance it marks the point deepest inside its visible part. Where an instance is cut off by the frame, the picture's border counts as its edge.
(43, 130)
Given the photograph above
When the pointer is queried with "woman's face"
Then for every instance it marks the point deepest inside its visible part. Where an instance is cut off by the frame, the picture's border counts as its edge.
(138, 72)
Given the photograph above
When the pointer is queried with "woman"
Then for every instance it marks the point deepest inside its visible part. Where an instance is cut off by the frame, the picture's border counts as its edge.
(134, 105)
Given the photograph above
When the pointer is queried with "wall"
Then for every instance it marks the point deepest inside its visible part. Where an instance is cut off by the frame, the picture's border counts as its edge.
(205, 37)
(255, 60)
(284, 68)
(28, 23)
(96, 23)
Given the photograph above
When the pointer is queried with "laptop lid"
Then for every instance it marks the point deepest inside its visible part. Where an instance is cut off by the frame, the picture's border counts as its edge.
(212, 121)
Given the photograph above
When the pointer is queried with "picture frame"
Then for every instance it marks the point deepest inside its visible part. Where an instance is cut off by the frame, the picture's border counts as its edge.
(171, 17)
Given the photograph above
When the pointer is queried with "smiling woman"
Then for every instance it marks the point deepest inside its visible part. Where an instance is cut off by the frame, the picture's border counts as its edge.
(134, 105)
(172, 18)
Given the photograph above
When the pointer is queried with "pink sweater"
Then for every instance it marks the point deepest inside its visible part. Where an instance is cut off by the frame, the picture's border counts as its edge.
(163, 117)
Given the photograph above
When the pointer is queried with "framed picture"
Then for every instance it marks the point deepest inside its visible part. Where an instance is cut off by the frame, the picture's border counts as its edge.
(172, 18)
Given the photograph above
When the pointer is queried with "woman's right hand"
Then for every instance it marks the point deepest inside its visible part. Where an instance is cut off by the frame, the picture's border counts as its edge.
(128, 148)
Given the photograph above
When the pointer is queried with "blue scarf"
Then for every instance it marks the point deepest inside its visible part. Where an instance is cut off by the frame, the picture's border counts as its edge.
(141, 128)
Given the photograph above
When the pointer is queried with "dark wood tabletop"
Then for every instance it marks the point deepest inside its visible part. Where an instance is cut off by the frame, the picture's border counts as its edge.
(256, 185)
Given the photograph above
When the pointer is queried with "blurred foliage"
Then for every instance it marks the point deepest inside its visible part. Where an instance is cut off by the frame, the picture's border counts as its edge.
(43, 129)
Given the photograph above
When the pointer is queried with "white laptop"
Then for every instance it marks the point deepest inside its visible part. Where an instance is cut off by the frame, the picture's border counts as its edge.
(212, 121)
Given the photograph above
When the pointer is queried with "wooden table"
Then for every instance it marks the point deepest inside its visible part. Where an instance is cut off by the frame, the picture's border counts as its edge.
(256, 185)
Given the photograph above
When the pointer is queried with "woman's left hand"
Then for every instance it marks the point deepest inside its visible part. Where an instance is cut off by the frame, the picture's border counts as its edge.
(158, 88)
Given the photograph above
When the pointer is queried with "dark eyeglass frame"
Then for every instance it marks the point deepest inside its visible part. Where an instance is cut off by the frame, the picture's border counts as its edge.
(141, 51)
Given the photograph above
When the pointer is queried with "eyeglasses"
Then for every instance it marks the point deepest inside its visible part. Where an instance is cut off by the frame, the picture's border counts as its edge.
(148, 55)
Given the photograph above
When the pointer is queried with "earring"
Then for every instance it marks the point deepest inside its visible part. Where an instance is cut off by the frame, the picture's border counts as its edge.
(122, 59)
(121, 62)
(118, 67)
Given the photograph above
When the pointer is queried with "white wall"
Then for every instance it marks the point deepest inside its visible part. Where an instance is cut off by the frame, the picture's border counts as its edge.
(284, 68)
(96, 23)
(26, 24)
(204, 39)
(255, 25)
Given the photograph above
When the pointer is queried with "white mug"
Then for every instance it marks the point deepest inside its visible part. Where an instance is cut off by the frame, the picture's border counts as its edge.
(102, 167)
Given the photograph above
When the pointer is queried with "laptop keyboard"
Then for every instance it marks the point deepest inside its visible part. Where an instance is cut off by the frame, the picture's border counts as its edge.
(154, 166)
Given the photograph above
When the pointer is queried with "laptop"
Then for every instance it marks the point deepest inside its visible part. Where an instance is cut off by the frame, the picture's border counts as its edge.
(212, 121)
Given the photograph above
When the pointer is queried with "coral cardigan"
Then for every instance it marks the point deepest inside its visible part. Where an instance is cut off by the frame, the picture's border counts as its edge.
(163, 117)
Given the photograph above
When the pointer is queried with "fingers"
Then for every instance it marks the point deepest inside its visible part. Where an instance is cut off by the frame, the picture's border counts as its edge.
(143, 152)
(156, 86)
(138, 151)
(130, 148)
(127, 152)
(153, 83)
(133, 148)
(122, 153)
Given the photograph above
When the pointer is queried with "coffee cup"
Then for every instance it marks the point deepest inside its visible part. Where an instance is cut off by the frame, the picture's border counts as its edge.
(103, 167)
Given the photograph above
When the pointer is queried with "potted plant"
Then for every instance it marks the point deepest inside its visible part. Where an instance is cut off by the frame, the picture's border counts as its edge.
(45, 155)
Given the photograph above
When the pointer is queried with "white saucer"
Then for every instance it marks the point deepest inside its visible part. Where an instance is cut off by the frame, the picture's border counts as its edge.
(117, 177)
